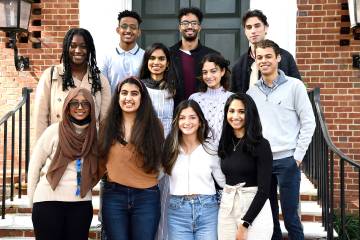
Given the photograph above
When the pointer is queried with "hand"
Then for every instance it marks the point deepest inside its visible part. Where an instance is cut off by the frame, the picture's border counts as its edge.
(298, 163)
(241, 233)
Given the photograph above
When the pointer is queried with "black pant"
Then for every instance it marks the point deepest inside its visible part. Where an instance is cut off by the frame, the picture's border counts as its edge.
(62, 220)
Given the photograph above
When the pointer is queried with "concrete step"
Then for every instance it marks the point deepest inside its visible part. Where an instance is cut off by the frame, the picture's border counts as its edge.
(308, 192)
(312, 230)
(20, 225)
(21, 205)
(310, 211)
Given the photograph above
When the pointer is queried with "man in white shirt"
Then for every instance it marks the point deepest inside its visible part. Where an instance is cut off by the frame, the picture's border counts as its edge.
(288, 124)
(126, 59)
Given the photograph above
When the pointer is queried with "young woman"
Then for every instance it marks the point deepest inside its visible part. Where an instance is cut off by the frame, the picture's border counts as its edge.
(246, 161)
(130, 153)
(214, 86)
(77, 68)
(159, 82)
(192, 166)
(63, 169)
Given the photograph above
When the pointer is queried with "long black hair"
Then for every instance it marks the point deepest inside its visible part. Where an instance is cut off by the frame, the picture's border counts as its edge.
(174, 139)
(68, 81)
(147, 134)
(253, 128)
(169, 80)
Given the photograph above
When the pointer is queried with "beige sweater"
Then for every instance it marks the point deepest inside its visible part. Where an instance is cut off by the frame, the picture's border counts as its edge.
(49, 102)
(39, 189)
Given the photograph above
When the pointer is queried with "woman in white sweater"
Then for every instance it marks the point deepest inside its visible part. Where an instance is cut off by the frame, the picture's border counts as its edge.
(62, 171)
(214, 91)
(192, 166)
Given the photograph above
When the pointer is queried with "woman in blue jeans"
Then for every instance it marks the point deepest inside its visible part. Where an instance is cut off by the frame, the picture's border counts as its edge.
(192, 166)
(130, 155)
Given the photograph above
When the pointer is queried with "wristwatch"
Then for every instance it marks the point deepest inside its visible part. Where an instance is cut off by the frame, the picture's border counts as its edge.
(245, 224)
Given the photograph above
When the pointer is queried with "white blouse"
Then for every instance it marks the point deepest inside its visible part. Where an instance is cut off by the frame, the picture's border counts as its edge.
(193, 173)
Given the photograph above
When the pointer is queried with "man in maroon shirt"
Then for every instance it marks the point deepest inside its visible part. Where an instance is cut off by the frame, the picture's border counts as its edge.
(187, 54)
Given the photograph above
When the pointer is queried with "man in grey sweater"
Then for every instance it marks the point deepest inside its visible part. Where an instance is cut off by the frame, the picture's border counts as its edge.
(288, 123)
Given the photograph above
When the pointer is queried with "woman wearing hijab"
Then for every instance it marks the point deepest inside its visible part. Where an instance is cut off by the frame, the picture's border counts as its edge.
(62, 171)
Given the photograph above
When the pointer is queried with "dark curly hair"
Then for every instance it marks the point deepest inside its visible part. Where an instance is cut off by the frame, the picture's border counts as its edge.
(255, 13)
(223, 64)
(132, 14)
(196, 11)
(67, 78)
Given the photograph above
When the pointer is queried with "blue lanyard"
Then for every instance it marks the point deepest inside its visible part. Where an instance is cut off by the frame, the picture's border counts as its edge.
(78, 176)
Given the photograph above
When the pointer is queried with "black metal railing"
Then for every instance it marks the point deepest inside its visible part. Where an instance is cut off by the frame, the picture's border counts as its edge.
(319, 167)
(16, 126)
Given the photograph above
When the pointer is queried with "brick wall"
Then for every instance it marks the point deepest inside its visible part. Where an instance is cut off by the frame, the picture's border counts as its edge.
(324, 63)
(50, 20)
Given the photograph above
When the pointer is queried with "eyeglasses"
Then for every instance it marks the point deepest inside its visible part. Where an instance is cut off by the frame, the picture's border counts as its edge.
(126, 26)
(187, 23)
(76, 104)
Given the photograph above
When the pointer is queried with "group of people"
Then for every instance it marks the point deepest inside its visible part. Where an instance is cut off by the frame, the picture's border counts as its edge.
(164, 129)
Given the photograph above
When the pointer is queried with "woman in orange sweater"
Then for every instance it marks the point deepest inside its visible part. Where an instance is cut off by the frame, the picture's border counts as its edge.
(130, 151)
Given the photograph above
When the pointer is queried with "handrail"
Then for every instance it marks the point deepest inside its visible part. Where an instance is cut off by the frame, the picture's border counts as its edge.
(325, 130)
(4, 123)
(18, 106)
(319, 167)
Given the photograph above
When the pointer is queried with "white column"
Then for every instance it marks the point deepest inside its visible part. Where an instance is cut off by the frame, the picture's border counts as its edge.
(281, 15)
(100, 18)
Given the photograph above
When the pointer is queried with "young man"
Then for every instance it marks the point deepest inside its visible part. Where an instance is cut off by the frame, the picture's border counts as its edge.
(187, 54)
(125, 60)
(245, 72)
(288, 123)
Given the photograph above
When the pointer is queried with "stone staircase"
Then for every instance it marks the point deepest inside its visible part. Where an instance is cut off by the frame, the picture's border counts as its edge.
(17, 223)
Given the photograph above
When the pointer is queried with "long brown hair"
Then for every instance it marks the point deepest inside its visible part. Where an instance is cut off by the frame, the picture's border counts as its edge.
(173, 140)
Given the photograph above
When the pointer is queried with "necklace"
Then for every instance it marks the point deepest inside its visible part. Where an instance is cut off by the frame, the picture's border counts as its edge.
(237, 144)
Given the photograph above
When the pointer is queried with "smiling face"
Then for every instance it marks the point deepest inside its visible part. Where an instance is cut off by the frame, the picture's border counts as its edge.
(79, 107)
(78, 50)
(128, 30)
(267, 61)
(255, 30)
(157, 64)
(189, 122)
(189, 27)
(212, 74)
(129, 98)
(236, 117)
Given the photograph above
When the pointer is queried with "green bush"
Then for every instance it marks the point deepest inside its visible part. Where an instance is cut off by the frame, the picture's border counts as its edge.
(352, 227)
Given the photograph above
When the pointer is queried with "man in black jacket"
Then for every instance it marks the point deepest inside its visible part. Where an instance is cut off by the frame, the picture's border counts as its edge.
(245, 72)
(187, 54)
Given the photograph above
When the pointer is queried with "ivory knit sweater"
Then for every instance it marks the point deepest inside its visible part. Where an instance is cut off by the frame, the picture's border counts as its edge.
(39, 189)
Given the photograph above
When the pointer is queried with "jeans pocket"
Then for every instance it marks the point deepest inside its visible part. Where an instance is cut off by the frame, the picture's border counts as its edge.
(174, 203)
(210, 202)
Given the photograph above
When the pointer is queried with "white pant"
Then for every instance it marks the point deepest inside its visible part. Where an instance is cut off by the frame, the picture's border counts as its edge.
(235, 202)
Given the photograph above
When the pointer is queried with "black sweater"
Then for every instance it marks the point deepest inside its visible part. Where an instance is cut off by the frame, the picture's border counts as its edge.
(240, 74)
(255, 170)
(176, 67)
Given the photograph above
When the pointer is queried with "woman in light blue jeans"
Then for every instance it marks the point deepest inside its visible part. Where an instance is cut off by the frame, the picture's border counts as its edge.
(192, 166)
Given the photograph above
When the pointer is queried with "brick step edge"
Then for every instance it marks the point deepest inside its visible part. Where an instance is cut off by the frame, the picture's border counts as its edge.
(93, 234)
